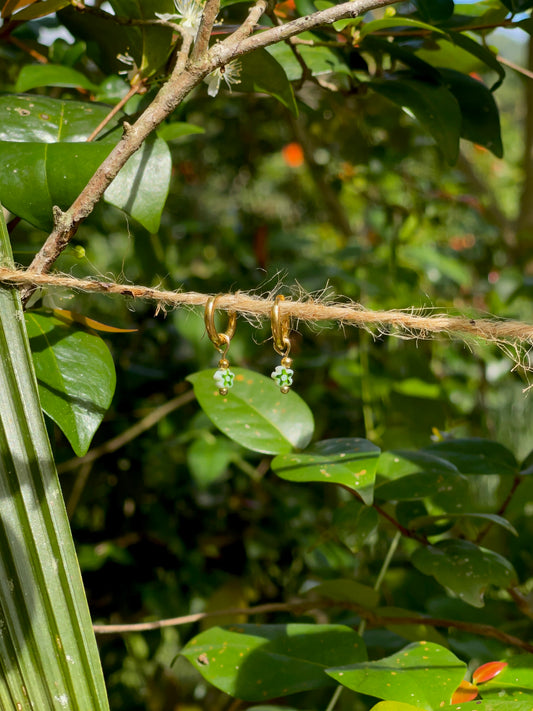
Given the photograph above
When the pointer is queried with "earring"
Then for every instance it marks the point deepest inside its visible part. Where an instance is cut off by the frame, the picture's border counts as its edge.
(223, 377)
(283, 373)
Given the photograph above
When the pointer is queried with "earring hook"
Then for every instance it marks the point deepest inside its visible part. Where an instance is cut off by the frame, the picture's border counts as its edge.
(280, 328)
(221, 341)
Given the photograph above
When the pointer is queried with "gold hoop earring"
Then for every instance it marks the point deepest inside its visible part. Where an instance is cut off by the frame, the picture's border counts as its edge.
(283, 373)
(223, 377)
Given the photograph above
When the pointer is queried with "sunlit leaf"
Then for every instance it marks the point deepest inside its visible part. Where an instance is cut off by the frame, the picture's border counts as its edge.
(349, 461)
(254, 413)
(32, 76)
(464, 568)
(76, 376)
(512, 682)
(261, 662)
(423, 674)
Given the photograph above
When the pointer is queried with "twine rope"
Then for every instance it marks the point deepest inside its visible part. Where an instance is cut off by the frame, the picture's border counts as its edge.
(514, 337)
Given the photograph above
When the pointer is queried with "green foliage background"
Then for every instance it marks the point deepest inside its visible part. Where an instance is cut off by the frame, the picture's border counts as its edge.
(180, 519)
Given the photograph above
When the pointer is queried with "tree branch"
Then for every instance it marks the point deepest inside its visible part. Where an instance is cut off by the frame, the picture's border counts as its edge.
(170, 96)
(201, 44)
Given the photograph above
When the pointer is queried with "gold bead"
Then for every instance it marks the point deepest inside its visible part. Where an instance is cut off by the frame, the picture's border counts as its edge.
(223, 363)
(223, 391)
(284, 389)
(286, 362)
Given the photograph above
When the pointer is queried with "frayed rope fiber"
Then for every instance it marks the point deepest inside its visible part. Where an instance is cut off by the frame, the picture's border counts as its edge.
(507, 334)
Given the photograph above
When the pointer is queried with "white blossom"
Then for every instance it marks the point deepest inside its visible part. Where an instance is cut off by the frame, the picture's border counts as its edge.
(231, 74)
(188, 14)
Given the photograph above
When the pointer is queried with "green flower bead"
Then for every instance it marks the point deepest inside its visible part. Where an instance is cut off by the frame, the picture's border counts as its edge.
(224, 378)
(282, 376)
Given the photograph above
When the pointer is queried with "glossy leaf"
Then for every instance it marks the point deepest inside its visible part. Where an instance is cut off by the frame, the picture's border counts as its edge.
(349, 461)
(517, 6)
(46, 161)
(480, 116)
(76, 376)
(489, 705)
(254, 413)
(423, 521)
(394, 706)
(464, 568)
(513, 683)
(395, 23)
(260, 71)
(261, 662)
(422, 674)
(40, 9)
(434, 106)
(48, 651)
(476, 456)
(32, 76)
(482, 53)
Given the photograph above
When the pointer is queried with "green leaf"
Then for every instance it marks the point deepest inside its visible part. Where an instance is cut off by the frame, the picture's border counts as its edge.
(349, 461)
(435, 9)
(141, 188)
(422, 521)
(517, 6)
(319, 60)
(262, 72)
(482, 53)
(484, 705)
(254, 413)
(178, 129)
(395, 22)
(40, 9)
(208, 459)
(35, 75)
(394, 706)
(464, 568)
(434, 106)
(261, 662)
(423, 674)
(475, 455)
(47, 162)
(47, 646)
(353, 523)
(76, 376)
(514, 683)
(153, 44)
(417, 475)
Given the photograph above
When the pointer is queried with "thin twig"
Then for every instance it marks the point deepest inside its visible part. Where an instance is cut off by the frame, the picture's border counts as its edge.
(114, 111)
(301, 607)
(128, 435)
(248, 26)
(517, 68)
